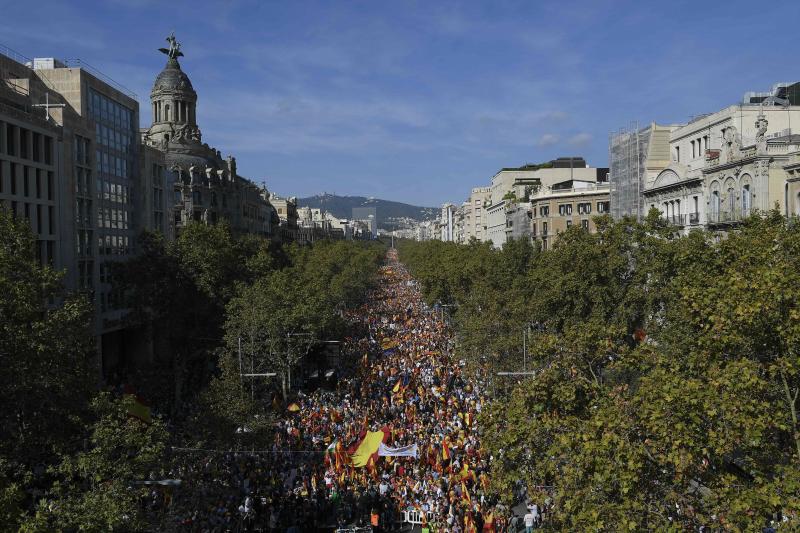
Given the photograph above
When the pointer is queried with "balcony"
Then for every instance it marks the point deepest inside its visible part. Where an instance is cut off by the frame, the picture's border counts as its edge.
(728, 216)
(676, 220)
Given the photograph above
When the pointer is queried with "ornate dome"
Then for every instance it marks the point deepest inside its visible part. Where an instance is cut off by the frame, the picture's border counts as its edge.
(173, 79)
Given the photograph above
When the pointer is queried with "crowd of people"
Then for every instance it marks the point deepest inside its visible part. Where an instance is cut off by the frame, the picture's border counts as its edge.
(403, 381)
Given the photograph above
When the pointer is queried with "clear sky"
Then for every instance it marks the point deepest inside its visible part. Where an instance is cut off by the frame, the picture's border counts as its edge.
(420, 101)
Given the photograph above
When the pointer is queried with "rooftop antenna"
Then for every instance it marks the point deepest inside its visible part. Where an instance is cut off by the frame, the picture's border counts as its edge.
(47, 105)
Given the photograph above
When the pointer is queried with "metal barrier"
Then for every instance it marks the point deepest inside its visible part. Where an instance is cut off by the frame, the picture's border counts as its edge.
(366, 529)
(413, 516)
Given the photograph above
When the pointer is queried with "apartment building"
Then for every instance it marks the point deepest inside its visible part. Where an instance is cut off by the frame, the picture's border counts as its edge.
(556, 208)
(729, 164)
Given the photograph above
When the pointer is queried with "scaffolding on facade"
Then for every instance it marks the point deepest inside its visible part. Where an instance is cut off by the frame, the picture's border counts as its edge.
(627, 149)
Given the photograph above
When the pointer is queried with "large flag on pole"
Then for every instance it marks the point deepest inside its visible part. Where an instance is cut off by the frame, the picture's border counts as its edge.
(402, 451)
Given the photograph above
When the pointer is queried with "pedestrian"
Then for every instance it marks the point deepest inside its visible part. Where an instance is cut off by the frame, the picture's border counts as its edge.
(529, 520)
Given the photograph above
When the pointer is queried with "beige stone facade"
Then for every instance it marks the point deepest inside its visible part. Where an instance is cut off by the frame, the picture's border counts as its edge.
(728, 165)
(475, 217)
(570, 203)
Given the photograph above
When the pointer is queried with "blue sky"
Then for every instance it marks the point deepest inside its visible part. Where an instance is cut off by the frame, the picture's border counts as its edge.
(420, 101)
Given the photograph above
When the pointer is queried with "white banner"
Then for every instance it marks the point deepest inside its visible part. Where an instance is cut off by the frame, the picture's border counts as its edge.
(402, 451)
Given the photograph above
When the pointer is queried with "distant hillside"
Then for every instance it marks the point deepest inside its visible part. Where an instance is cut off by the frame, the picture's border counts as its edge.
(388, 211)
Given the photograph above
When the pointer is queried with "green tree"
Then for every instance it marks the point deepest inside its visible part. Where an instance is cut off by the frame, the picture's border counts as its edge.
(99, 489)
(47, 369)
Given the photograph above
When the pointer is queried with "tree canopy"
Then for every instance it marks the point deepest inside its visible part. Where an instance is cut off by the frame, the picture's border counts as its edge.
(666, 369)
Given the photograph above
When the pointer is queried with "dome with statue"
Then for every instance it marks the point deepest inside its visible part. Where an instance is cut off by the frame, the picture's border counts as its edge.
(172, 79)
(174, 129)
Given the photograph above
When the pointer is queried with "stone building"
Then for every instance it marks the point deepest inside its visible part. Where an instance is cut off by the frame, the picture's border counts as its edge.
(510, 186)
(77, 175)
(729, 164)
(207, 187)
(31, 177)
(447, 222)
(475, 215)
(518, 220)
(556, 208)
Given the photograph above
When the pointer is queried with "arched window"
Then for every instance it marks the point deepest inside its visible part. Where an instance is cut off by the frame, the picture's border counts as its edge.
(786, 199)
(731, 198)
(747, 200)
(715, 206)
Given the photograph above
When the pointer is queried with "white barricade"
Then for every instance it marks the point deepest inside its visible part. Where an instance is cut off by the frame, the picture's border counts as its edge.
(412, 516)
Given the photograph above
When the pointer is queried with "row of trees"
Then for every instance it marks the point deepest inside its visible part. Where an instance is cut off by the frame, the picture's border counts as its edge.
(666, 369)
(67, 453)
(71, 455)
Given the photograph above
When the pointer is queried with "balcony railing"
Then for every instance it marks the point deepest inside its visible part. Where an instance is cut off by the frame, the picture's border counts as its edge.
(728, 216)
(676, 220)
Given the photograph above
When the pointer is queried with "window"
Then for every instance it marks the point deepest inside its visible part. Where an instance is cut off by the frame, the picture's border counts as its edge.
(746, 200)
(25, 187)
(37, 139)
(544, 229)
(715, 203)
(10, 144)
(569, 223)
(48, 151)
(731, 197)
(51, 219)
(13, 178)
(694, 154)
(585, 208)
(544, 210)
(585, 224)
(678, 154)
(197, 197)
(565, 209)
(603, 207)
(23, 144)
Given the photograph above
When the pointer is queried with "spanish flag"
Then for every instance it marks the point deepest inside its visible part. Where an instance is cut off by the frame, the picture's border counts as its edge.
(138, 409)
(396, 387)
(488, 524)
(368, 446)
(293, 408)
(445, 451)
(465, 493)
(136, 406)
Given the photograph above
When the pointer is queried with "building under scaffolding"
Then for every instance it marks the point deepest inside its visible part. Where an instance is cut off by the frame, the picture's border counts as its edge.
(635, 155)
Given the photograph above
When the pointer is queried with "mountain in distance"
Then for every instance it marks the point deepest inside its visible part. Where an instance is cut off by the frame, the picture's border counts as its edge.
(390, 214)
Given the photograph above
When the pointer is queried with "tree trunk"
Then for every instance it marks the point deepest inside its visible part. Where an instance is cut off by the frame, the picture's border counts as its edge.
(792, 401)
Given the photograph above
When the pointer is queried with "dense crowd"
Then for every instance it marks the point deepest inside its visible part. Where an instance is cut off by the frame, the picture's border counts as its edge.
(404, 381)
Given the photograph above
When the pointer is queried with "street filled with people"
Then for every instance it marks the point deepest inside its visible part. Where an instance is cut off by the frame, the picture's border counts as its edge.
(393, 445)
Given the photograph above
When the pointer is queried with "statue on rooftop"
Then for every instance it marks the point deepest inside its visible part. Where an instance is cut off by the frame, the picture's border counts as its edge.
(174, 50)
